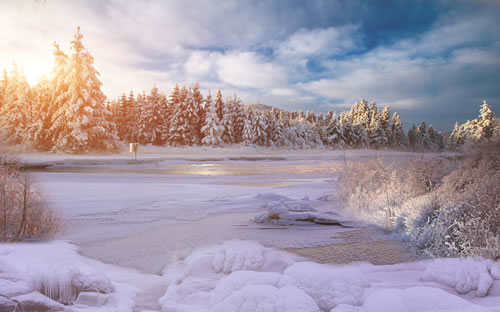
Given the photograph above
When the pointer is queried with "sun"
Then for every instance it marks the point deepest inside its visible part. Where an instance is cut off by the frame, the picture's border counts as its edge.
(35, 70)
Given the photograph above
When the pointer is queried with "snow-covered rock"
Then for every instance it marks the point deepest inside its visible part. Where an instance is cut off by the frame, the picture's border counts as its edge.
(463, 275)
(329, 286)
(193, 281)
(92, 282)
(288, 212)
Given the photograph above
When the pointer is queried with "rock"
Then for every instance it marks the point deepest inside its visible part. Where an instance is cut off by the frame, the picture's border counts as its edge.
(92, 299)
(36, 302)
(326, 221)
(7, 305)
(93, 283)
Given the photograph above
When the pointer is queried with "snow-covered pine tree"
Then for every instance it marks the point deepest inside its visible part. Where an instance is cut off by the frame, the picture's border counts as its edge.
(184, 120)
(17, 105)
(227, 121)
(155, 120)
(397, 132)
(423, 142)
(238, 121)
(121, 116)
(211, 131)
(219, 105)
(334, 132)
(146, 117)
(176, 124)
(86, 125)
(37, 132)
(385, 118)
(485, 122)
(199, 108)
(248, 134)
(260, 129)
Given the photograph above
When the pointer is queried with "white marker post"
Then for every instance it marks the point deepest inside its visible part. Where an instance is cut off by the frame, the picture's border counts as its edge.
(134, 147)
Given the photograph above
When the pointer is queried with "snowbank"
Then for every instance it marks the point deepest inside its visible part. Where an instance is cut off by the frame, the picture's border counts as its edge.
(52, 276)
(241, 276)
(245, 276)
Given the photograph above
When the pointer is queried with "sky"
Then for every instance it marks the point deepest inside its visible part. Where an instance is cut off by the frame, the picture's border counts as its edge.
(432, 60)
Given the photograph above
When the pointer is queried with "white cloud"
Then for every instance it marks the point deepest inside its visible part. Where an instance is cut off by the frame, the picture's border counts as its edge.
(327, 41)
(248, 69)
(284, 92)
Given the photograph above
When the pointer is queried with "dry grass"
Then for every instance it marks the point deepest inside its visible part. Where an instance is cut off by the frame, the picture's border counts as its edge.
(23, 213)
(447, 207)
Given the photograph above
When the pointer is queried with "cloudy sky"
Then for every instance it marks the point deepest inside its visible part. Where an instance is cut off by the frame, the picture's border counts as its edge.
(429, 60)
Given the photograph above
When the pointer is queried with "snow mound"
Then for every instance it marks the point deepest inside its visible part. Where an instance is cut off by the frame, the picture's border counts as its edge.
(463, 275)
(234, 256)
(413, 299)
(329, 286)
(50, 276)
(263, 298)
(242, 276)
(198, 281)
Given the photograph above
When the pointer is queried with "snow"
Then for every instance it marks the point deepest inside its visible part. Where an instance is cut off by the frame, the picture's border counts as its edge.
(53, 273)
(242, 282)
(329, 286)
(185, 223)
(413, 299)
(243, 276)
(464, 275)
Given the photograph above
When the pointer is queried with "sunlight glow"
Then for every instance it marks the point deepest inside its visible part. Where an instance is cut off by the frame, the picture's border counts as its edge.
(35, 70)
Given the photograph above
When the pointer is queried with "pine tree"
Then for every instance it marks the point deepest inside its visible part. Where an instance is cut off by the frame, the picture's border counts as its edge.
(485, 122)
(260, 129)
(334, 132)
(238, 119)
(85, 125)
(397, 132)
(412, 137)
(155, 122)
(219, 105)
(227, 121)
(212, 131)
(17, 105)
(199, 112)
(248, 134)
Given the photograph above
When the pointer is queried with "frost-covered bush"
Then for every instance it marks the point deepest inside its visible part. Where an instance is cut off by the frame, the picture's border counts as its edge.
(23, 213)
(446, 207)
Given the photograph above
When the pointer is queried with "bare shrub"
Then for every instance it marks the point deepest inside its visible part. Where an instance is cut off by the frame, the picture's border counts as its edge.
(447, 208)
(23, 213)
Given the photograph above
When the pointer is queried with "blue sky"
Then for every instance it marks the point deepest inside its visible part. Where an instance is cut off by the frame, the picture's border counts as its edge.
(429, 60)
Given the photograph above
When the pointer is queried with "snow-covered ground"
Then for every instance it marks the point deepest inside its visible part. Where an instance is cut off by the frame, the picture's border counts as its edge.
(242, 276)
(174, 231)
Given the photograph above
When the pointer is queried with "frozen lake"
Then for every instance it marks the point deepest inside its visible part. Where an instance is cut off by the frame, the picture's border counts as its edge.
(141, 214)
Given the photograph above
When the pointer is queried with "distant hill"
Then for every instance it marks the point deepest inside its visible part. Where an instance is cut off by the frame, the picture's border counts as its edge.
(262, 107)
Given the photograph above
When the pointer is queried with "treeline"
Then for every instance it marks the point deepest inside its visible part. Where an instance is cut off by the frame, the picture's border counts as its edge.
(185, 117)
(69, 112)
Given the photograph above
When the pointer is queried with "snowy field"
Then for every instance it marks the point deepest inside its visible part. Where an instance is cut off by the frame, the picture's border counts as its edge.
(174, 231)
